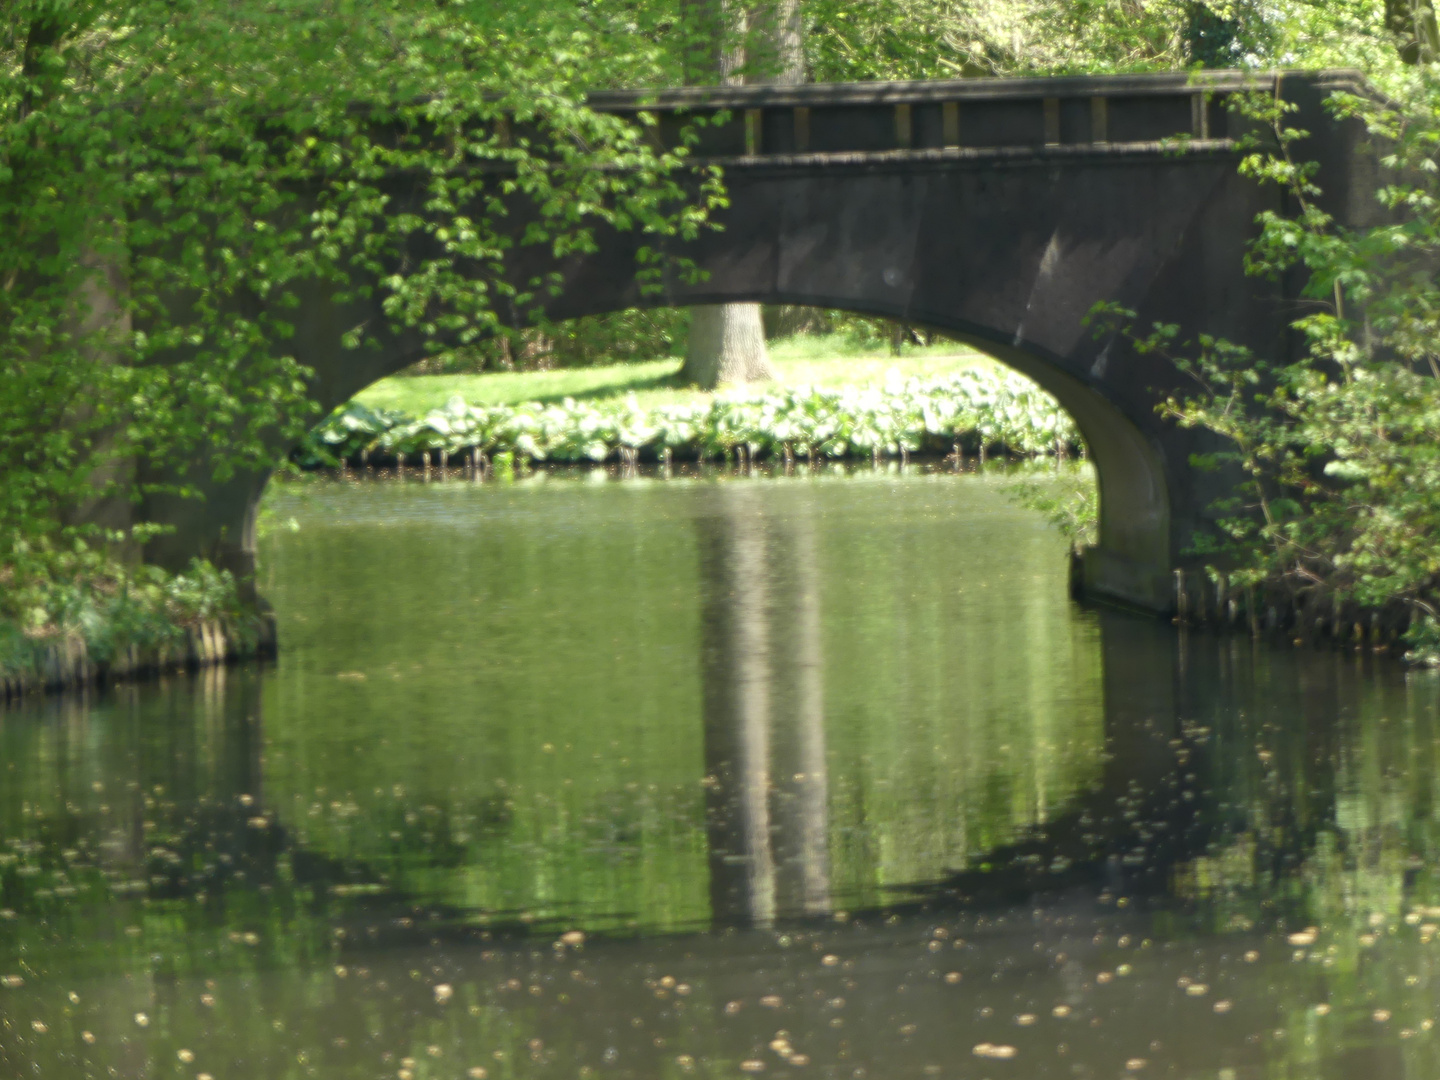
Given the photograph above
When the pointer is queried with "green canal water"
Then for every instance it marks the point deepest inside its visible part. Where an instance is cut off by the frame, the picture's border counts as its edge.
(717, 777)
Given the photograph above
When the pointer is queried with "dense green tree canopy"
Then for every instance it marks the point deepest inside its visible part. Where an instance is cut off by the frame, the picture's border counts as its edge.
(172, 174)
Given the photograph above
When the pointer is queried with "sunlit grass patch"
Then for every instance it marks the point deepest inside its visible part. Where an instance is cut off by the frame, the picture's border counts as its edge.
(828, 361)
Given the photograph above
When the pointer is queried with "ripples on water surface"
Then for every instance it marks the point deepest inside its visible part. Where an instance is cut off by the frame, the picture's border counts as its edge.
(709, 777)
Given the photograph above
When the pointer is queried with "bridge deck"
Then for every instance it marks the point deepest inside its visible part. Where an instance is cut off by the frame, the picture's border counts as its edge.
(960, 117)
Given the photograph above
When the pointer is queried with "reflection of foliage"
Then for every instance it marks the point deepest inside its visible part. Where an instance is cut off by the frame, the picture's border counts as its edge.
(1332, 823)
(1338, 848)
(1068, 499)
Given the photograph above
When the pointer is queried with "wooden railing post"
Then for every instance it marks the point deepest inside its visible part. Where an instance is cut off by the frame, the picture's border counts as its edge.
(903, 132)
(1099, 120)
(1052, 121)
(950, 123)
(752, 132)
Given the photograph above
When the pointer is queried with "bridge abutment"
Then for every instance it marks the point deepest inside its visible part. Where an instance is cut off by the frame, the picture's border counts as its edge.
(1133, 558)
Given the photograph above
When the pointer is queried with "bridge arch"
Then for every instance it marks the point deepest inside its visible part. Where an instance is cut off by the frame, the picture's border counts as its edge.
(999, 211)
(1132, 560)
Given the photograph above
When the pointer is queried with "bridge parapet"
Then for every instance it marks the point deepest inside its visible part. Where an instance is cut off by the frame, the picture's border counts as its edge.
(961, 117)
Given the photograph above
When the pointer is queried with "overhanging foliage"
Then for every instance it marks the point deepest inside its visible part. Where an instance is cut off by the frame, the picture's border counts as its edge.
(176, 178)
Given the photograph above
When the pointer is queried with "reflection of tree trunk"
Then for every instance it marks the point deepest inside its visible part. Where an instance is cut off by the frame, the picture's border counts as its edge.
(736, 685)
(764, 715)
(804, 834)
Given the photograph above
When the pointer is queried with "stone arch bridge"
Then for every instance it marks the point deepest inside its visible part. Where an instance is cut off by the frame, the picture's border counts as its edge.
(999, 211)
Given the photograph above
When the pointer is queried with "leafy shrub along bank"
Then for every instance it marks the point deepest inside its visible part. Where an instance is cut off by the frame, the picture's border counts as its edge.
(73, 616)
(1335, 522)
(976, 410)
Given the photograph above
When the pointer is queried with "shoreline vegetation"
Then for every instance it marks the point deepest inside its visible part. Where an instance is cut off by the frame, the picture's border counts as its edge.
(1331, 525)
(92, 624)
(77, 617)
(68, 663)
(959, 404)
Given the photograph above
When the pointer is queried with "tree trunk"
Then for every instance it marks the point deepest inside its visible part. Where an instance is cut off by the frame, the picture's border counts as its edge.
(778, 45)
(727, 345)
(1414, 26)
(727, 341)
(101, 323)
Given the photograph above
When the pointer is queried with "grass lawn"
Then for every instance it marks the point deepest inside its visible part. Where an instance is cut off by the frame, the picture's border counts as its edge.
(800, 361)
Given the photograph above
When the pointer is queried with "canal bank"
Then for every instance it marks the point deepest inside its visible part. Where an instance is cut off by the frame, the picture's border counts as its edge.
(1061, 493)
(71, 665)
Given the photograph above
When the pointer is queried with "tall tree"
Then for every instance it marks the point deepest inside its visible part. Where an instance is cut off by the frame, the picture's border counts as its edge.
(1414, 26)
(176, 178)
(736, 45)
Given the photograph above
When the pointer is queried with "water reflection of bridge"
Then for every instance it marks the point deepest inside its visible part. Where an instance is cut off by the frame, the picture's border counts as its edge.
(1195, 735)
(1206, 740)
(1198, 736)
(1196, 762)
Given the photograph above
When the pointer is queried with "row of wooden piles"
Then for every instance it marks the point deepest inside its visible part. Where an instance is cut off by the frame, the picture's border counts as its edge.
(1309, 617)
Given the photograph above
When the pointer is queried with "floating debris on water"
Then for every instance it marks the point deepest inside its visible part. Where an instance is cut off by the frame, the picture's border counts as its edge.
(991, 1050)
